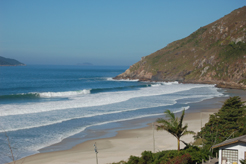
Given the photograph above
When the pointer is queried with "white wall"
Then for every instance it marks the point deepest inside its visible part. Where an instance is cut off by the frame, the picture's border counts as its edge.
(241, 147)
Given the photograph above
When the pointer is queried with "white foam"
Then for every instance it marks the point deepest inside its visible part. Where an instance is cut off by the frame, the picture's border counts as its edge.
(89, 100)
(156, 85)
(59, 137)
(110, 79)
(63, 94)
(29, 122)
(45, 119)
(142, 116)
(170, 83)
(181, 109)
(127, 80)
(56, 138)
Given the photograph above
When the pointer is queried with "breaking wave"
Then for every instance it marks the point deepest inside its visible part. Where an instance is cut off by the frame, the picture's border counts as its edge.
(37, 95)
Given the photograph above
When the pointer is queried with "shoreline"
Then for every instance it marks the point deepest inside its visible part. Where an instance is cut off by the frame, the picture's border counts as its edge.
(131, 142)
(217, 83)
(121, 146)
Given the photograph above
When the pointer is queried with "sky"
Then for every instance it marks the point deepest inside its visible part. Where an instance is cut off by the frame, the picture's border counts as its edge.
(101, 32)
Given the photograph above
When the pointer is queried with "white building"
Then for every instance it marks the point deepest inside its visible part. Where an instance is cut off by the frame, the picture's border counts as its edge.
(232, 150)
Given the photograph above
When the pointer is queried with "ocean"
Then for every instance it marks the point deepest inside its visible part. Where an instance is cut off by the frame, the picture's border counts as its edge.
(43, 105)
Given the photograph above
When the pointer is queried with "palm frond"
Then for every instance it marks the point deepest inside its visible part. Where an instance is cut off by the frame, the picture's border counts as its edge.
(173, 125)
(170, 115)
(164, 122)
(181, 118)
(188, 132)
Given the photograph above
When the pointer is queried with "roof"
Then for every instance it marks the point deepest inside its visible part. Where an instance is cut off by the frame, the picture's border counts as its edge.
(231, 141)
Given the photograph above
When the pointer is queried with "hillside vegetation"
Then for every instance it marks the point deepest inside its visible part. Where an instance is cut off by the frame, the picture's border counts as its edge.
(214, 54)
(9, 62)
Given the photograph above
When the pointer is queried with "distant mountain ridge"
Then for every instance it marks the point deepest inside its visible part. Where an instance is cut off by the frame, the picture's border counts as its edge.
(214, 54)
(9, 62)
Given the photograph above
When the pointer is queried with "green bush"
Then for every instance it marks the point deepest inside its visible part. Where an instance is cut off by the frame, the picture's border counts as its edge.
(146, 158)
(169, 155)
(184, 159)
(197, 154)
(190, 154)
(133, 160)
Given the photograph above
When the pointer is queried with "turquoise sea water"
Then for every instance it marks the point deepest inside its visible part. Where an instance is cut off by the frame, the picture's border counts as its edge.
(42, 105)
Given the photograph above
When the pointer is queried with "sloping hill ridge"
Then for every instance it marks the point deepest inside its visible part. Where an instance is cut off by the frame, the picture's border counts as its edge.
(9, 62)
(214, 54)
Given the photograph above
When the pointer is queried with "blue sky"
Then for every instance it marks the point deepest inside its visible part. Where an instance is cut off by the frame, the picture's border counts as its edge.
(102, 32)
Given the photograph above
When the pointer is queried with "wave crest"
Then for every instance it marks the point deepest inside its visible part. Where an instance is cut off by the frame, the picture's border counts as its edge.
(64, 94)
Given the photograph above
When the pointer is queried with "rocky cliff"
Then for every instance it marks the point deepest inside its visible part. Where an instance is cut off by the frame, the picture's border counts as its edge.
(214, 54)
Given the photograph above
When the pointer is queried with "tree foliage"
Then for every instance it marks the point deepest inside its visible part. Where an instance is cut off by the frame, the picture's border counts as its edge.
(229, 122)
(174, 125)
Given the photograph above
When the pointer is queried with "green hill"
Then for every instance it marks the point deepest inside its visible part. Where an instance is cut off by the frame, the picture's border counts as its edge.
(9, 62)
(214, 54)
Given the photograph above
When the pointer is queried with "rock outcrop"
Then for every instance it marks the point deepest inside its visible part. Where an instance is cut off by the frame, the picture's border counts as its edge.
(214, 54)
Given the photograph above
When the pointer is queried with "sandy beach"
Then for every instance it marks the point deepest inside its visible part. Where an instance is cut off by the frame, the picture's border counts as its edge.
(130, 142)
(120, 147)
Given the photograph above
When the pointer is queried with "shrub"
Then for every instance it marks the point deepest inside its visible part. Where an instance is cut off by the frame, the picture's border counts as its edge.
(164, 156)
(197, 154)
(133, 160)
(190, 154)
(147, 158)
(184, 159)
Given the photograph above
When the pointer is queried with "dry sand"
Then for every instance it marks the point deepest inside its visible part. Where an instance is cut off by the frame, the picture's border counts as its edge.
(120, 147)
